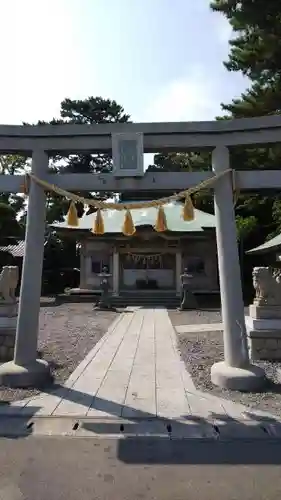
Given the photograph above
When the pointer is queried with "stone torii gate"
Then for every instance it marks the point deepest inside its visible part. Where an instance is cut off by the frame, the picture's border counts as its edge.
(39, 142)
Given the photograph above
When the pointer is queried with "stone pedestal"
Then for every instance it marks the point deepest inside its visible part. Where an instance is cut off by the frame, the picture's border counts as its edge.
(105, 299)
(8, 324)
(265, 312)
(264, 332)
(188, 300)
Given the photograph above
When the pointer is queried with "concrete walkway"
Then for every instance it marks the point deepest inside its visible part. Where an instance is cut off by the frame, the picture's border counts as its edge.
(134, 372)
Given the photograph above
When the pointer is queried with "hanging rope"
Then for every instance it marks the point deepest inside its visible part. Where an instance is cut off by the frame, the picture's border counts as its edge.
(235, 190)
(128, 228)
(121, 206)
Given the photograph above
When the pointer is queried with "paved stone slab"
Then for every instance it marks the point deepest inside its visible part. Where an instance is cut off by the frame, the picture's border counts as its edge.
(135, 372)
(46, 404)
(209, 327)
(205, 408)
(239, 430)
(80, 396)
(111, 395)
(141, 396)
(192, 430)
(171, 400)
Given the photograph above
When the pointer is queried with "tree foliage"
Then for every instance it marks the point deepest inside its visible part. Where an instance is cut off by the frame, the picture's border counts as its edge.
(90, 111)
(12, 165)
(255, 51)
(10, 229)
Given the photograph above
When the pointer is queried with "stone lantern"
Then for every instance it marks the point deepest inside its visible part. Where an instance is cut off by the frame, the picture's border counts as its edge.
(188, 300)
(104, 276)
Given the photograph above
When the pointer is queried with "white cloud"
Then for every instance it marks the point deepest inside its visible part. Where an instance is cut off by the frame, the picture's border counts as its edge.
(38, 59)
(223, 30)
(191, 98)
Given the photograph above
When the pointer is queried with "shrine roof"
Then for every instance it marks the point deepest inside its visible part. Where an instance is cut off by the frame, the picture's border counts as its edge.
(15, 249)
(268, 246)
(113, 220)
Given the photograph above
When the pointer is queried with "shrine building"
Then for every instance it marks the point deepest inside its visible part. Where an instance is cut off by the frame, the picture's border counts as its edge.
(149, 262)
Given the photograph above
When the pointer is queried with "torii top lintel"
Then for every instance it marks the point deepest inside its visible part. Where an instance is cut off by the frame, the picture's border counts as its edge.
(178, 136)
(182, 136)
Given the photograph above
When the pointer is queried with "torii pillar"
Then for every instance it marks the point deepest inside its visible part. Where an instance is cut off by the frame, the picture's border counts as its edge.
(235, 372)
(26, 370)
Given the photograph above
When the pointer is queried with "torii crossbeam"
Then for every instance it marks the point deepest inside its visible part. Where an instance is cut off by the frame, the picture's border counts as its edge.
(41, 142)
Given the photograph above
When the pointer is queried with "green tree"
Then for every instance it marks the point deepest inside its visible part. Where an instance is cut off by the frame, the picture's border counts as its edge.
(93, 110)
(10, 231)
(186, 162)
(255, 51)
(12, 165)
(60, 251)
(11, 207)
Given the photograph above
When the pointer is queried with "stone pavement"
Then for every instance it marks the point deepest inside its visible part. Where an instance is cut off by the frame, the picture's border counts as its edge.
(135, 373)
(209, 327)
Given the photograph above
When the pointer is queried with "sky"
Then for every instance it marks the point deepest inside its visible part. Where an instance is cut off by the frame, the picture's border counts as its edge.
(162, 60)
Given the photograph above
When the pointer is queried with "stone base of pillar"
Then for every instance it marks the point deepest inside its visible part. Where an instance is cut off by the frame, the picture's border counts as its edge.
(264, 345)
(248, 379)
(264, 333)
(34, 374)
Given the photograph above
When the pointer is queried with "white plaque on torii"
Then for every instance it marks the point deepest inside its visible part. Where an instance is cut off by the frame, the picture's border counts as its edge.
(127, 154)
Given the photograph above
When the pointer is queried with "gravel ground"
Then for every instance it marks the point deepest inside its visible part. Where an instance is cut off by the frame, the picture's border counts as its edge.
(200, 350)
(67, 333)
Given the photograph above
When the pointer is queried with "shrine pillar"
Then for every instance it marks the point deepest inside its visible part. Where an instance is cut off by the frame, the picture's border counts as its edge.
(26, 370)
(178, 272)
(235, 372)
(115, 273)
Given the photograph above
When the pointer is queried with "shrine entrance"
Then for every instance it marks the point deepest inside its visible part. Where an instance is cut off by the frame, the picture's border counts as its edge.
(128, 142)
(142, 271)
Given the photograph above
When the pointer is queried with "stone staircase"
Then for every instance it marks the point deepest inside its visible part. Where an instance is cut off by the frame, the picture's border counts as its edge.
(127, 299)
(147, 299)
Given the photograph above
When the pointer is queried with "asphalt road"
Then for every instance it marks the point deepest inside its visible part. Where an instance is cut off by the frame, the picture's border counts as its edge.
(137, 468)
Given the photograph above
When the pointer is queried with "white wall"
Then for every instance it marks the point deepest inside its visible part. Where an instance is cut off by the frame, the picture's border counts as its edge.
(206, 250)
(99, 251)
(164, 277)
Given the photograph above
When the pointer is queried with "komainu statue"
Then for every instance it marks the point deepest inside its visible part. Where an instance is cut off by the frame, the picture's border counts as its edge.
(267, 284)
(9, 278)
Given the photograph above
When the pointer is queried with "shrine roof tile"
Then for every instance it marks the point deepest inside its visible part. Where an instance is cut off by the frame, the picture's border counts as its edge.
(113, 220)
(16, 250)
(268, 246)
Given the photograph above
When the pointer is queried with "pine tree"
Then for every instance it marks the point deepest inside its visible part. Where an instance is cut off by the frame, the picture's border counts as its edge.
(255, 51)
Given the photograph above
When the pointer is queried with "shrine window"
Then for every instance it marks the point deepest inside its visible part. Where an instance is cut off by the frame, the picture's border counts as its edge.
(194, 265)
(97, 264)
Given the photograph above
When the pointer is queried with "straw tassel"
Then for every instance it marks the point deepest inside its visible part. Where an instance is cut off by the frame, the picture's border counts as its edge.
(161, 222)
(72, 216)
(99, 223)
(188, 209)
(128, 228)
